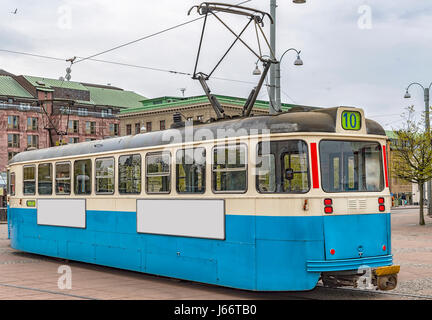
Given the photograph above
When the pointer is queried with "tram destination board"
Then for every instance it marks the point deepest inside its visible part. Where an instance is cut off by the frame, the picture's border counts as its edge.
(351, 120)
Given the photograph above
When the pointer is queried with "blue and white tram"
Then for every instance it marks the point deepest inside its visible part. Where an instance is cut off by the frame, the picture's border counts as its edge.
(277, 204)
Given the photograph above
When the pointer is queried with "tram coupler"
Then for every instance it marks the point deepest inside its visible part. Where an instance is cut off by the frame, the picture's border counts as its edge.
(381, 278)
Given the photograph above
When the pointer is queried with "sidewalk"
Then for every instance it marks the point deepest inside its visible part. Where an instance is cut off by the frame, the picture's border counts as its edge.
(408, 207)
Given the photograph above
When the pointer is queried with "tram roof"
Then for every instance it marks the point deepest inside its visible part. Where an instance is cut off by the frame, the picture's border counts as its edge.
(318, 120)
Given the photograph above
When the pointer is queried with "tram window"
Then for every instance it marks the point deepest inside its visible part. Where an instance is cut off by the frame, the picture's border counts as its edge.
(158, 172)
(295, 172)
(350, 166)
(12, 184)
(63, 180)
(282, 167)
(230, 169)
(266, 177)
(129, 174)
(82, 176)
(190, 170)
(29, 180)
(45, 179)
(104, 175)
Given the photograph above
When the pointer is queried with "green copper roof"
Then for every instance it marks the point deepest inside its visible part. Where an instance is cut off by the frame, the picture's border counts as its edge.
(115, 98)
(172, 102)
(9, 87)
(391, 134)
(45, 83)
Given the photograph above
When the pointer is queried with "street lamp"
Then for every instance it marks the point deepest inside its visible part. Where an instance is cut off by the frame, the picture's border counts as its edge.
(257, 71)
(297, 62)
(427, 106)
(273, 68)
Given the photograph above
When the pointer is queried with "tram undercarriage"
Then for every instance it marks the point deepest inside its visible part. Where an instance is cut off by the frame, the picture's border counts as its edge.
(382, 278)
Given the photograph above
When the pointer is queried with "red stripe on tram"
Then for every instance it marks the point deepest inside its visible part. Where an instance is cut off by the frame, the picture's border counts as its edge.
(314, 157)
(385, 165)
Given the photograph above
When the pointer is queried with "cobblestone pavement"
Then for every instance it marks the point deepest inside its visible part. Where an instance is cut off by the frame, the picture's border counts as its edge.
(29, 276)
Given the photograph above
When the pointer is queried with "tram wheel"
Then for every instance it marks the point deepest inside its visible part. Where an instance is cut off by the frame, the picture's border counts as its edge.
(387, 282)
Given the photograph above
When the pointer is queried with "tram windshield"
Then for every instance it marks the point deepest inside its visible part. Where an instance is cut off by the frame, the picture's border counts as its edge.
(350, 166)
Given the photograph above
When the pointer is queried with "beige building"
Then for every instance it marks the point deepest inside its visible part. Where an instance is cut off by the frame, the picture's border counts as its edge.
(157, 114)
(401, 190)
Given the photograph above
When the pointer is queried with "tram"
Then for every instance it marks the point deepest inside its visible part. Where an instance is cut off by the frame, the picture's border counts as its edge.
(276, 203)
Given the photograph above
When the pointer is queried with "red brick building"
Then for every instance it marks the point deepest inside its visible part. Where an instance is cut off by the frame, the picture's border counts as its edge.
(38, 112)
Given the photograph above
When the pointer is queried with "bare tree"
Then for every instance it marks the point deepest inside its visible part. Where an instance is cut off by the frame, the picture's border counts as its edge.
(412, 154)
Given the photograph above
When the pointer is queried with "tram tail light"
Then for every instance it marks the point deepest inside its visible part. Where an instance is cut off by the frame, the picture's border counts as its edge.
(328, 203)
(381, 206)
(328, 209)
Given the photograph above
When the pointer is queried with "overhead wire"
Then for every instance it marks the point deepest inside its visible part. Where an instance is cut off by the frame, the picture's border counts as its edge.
(147, 36)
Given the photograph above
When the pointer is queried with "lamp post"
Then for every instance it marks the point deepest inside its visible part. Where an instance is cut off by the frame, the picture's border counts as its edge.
(297, 62)
(273, 87)
(426, 91)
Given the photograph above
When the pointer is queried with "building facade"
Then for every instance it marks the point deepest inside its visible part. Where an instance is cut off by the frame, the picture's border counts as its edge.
(39, 112)
(401, 190)
(157, 114)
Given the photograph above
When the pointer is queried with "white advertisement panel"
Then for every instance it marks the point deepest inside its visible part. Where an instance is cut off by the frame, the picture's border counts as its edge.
(62, 212)
(188, 218)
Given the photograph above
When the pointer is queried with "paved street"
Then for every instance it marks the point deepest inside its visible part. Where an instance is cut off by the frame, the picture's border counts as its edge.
(29, 276)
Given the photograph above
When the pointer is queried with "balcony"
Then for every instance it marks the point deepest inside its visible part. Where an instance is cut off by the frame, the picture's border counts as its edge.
(94, 114)
(23, 108)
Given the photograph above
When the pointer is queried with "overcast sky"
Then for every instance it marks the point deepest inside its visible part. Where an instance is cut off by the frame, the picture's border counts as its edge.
(355, 52)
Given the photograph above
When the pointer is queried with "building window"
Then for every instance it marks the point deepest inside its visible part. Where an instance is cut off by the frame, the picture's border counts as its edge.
(13, 140)
(13, 122)
(32, 124)
(90, 127)
(148, 126)
(189, 119)
(106, 112)
(158, 172)
(200, 118)
(137, 128)
(82, 112)
(229, 168)
(73, 140)
(29, 179)
(11, 154)
(82, 176)
(162, 124)
(114, 129)
(129, 174)
(190, 170)
(128, 129)
(63, 180)
(32, 141)
(73, 126)
(45, 179)
(104, 174)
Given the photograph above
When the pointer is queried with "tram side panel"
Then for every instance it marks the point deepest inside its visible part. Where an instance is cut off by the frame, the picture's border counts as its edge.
(110, 238)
